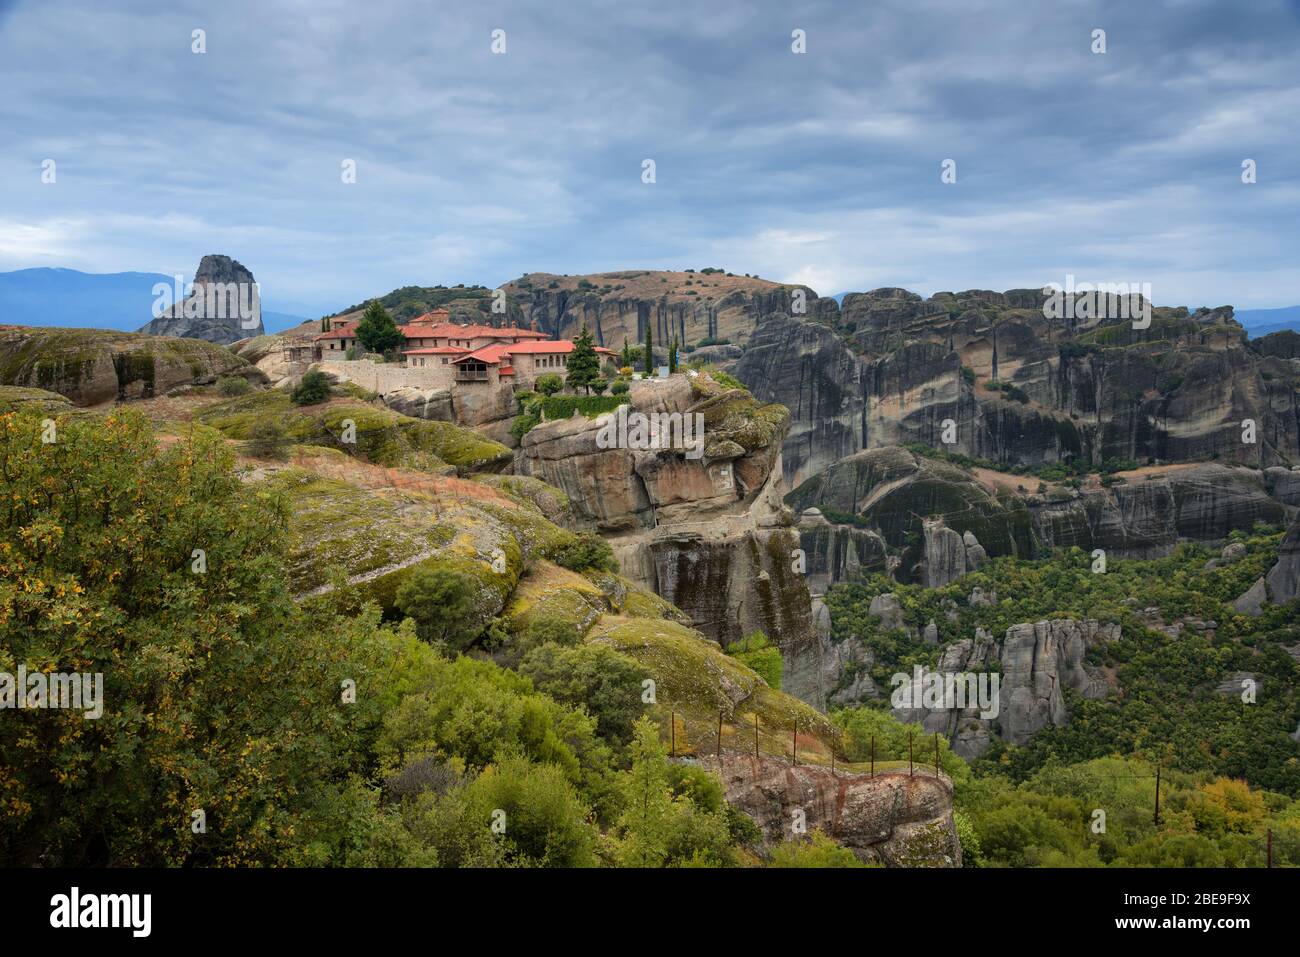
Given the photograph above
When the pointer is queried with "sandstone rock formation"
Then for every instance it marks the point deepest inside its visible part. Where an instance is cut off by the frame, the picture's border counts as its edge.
(898, 819)
(918, 505)
(1283, 578)
(1037, 661)
(889, 368)
(695, 308)
(223, 305)
(710, 534)
(837, 553)
(90, 366)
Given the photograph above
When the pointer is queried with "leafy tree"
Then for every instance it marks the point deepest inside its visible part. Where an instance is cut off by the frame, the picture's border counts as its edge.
(441, 601)
(549, 384)
(584, 551)
(817, 851)
(584, 364)
(672, 357)
(377, 331)
(601, 680)
(313, 389)
(514, 814)
(159, 570)
(467, 712)
(658, 828)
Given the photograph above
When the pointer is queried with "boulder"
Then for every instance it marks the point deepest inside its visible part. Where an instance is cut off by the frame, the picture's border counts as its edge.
(898, 819)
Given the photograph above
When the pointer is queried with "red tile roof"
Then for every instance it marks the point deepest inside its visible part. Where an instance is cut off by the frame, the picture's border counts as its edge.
(438, 351)
(432, 316)
(489, 354)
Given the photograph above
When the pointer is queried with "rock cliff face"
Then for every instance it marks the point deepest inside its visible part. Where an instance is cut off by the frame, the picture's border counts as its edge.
(1037, 661)
(1020, 389)
(941, 520)
(696, 308)
(223, 305)
(938, 519)
(898, 819)
(1146, 516)
(1284, 578)
(90, 366)
(836, 552)
(710, 534)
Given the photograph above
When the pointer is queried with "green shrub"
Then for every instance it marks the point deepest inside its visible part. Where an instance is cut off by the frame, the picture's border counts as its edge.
(440, 600)
(313, 389)
(563, 406)
(818, 851)
(549, 384)
(233, 385)
(585, 550)
(601, 680)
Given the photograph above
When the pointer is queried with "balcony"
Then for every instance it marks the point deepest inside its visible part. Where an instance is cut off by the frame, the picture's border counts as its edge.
(471, 375)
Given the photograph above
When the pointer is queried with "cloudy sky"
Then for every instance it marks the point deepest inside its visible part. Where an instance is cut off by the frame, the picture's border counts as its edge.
(822, 167)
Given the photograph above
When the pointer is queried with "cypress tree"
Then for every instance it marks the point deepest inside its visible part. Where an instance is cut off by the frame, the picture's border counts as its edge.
(584, 364)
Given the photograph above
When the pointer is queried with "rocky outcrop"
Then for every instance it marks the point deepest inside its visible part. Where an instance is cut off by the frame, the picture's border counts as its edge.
(947, 555)
(90, 366)
(1284, 484)
(697, 309)
(940, 519)
(837, 553)
(1037, 662)
(898, 819)
(223, 305)
(1283, 579)
(1020, 388)
(1147, 517)
(422, 403)
(708, 533)
(944, 520)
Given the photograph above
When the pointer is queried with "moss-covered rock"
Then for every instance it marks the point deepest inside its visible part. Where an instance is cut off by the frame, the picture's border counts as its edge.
(695, 679)
(372, 434)
(15, 398)
(89, 366)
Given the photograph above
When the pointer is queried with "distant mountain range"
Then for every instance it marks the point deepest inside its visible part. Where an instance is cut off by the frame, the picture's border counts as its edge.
(68, 297)
(1260, 322)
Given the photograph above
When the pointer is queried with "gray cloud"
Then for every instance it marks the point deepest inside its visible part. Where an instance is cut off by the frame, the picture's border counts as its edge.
(821, 168)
